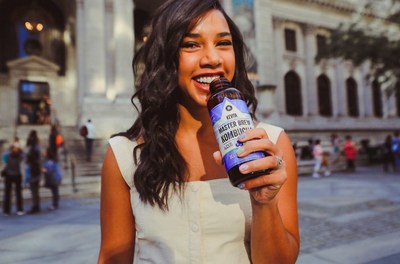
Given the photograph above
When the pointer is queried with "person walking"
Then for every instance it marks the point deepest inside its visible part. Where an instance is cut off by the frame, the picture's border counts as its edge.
(320, 160)
(350, 151)
(89, 138)
(13, 177)
(33, 163)
(53, 177)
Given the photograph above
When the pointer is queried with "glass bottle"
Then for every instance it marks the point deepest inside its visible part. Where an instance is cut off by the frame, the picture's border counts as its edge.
(230, 117)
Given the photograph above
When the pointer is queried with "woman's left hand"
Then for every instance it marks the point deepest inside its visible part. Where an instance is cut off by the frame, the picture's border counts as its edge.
(264, 188)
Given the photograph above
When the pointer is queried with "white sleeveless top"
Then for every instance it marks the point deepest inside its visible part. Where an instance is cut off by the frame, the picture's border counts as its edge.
(211, 224)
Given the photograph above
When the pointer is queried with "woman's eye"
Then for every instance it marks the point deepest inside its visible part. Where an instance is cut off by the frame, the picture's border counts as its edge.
(189, 45)
(225, 43)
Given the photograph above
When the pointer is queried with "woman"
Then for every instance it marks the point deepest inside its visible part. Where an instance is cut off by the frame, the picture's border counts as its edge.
(13, 176)
(33, 162)
(350, 151)
(164, 198)
(53, 177)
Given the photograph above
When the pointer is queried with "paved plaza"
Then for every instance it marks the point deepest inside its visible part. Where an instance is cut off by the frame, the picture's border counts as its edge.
(344, 218)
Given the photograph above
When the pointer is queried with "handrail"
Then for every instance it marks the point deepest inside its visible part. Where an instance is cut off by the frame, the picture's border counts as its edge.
(73, 175)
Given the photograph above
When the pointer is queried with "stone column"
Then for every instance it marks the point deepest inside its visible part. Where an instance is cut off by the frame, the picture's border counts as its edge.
(227, 4)
(331, 67)
(341, 89)
(279, 70)
(110, 49)
(310, 97)
(94, 47)
(80, 52)
(124, 47)
(366, 92)
(265, 41)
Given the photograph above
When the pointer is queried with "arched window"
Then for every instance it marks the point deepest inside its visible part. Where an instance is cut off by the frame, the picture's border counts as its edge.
(293, 96)
(377, 99)
(352, 97)
(324, 95)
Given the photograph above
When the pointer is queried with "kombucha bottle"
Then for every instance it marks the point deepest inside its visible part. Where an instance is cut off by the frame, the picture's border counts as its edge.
(230, 117)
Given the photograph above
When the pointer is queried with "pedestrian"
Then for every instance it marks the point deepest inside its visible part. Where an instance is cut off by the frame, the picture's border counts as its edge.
(52, 138)
(387, 154)
(350, 151)
(17, 142)
(307, 150)
(89, 138)
(53, 176)
(297, 150)
(165, 194)
(334, 157)
(34, 169)
(396, 148)
(320, 160)
(13, 177)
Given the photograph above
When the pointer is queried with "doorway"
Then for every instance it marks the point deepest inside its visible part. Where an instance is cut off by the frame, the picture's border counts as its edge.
(34, 103)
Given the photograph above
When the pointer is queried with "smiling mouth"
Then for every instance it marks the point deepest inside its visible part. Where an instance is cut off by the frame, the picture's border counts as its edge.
(206, 80)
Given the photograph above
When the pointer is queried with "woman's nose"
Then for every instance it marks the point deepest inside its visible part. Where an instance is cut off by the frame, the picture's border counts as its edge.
(211, 58)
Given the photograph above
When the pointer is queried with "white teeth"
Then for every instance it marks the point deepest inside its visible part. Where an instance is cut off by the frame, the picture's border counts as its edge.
(206, 80)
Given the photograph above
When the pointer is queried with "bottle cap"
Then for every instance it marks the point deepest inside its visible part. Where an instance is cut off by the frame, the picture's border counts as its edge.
(219, 84)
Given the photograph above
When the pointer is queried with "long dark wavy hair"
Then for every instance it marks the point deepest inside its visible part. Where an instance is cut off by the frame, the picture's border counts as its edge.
(161, 169)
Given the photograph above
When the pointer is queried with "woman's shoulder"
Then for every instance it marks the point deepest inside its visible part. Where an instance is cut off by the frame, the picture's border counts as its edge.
(123, 149)
(273, 131)
(121, 145)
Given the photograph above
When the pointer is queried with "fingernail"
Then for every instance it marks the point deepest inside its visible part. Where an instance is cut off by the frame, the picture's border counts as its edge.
(241, 186)
(243, 168)
(239, 150)
(242, 136)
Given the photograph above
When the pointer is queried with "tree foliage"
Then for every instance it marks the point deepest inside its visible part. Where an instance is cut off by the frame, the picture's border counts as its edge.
(363, 41)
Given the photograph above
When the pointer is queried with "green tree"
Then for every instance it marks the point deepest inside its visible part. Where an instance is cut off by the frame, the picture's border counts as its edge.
(373, 38)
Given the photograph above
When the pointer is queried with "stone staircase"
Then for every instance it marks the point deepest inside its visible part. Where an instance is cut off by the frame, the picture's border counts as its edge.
(82, 177)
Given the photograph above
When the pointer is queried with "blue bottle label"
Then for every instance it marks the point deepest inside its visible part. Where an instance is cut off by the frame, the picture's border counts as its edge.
(230, 119)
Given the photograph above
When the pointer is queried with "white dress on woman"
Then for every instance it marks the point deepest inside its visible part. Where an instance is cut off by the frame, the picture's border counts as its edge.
(210, 224)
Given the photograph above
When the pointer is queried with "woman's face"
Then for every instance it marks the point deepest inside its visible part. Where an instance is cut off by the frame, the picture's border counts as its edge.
(206, 52)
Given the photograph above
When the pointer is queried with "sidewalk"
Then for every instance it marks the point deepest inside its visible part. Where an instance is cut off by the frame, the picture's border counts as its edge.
(70, 235)
(344, 218)
(350, 218)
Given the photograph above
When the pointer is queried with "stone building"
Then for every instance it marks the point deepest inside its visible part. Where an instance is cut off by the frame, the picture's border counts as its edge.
(70, 60)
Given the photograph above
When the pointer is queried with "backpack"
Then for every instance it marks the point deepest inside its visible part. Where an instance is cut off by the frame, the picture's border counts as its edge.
(59, 140)
(53, 176)
(83, 131)
(396, 146)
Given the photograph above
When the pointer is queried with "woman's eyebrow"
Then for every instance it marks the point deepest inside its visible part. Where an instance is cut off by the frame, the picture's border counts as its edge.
(196, 35)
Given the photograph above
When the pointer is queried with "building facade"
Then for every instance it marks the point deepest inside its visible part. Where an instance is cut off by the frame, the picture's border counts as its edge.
(73, 62)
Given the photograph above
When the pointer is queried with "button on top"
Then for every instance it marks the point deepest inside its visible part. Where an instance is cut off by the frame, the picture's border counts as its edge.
(195, 227)
(194, 187)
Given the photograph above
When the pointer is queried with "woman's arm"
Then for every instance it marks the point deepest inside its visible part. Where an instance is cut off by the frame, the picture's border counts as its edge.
(275, 231)
(116, 217)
